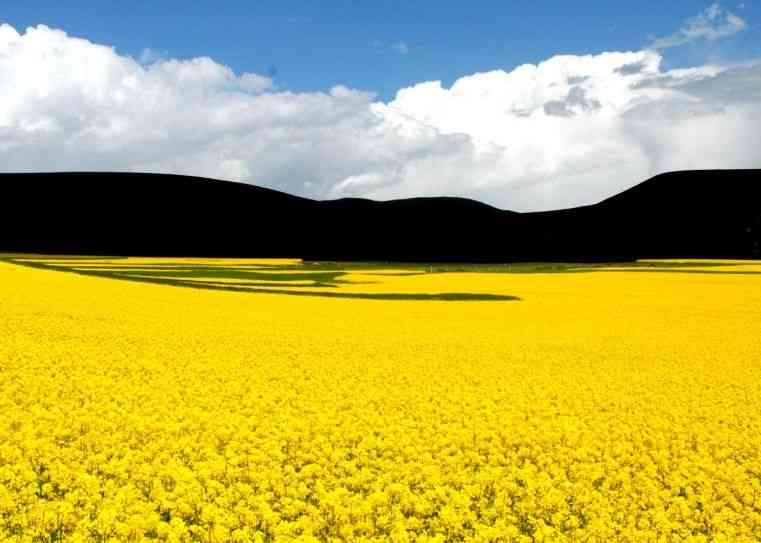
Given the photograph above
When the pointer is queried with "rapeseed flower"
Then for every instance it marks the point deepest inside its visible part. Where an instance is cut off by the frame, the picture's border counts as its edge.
(610, 404)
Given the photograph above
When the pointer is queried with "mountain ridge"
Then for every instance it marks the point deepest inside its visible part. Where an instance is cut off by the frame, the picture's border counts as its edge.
(687, 213)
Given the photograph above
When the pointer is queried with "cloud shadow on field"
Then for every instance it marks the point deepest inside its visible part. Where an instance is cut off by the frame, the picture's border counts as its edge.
(325, 279)
(259, 279)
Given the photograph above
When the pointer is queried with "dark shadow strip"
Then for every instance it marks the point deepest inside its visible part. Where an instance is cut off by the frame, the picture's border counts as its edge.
(445, 297)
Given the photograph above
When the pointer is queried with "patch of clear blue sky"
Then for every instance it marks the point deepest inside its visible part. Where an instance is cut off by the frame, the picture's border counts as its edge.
(313, 45)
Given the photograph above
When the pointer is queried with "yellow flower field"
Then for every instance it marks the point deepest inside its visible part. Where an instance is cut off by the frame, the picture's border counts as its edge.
(241, 400)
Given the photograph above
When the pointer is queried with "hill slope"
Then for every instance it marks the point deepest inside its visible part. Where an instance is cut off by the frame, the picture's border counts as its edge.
(715, 213)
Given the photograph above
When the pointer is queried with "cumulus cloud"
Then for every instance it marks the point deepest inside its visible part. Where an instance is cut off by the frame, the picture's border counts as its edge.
(568, 131)
(575, 129)
(712, 24)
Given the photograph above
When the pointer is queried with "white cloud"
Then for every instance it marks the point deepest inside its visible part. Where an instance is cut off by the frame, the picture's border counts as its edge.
(712, 24)
(570, 130)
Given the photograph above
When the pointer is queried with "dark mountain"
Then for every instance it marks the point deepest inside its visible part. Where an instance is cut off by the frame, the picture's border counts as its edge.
(698, 214)
(712, 213)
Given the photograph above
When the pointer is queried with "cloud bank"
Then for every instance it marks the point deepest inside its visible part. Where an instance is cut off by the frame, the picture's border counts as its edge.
(568, 131)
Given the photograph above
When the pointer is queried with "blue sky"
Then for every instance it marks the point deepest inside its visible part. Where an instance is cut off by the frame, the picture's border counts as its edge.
(523, 105)
(314, 45)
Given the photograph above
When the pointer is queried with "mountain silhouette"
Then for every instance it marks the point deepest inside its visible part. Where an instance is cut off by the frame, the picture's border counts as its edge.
(698, 214)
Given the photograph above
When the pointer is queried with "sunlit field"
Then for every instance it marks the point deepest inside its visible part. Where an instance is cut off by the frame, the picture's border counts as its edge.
(261, 400)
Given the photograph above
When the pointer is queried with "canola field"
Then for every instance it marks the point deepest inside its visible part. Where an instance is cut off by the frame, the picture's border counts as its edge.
(269, 401)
